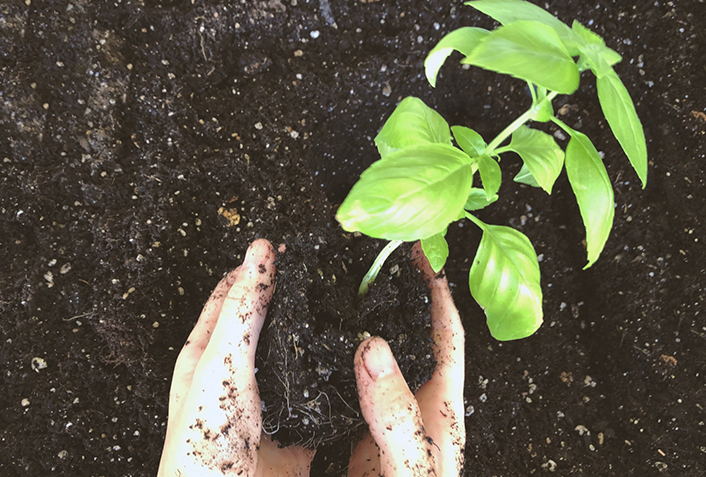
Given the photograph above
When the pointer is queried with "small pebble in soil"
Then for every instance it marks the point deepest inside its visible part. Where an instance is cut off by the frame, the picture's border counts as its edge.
(25, 402)
(38, 363)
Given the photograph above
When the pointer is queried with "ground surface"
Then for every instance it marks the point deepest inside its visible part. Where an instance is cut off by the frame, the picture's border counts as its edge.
(145, 144)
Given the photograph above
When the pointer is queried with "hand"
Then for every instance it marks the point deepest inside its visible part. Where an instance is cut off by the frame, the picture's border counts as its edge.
(215, 415)
(414, 437)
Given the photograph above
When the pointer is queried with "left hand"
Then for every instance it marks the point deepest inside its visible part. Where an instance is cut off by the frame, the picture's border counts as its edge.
(215, 415)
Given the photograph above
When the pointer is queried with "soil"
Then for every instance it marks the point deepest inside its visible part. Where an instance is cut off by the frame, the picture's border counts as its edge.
(146, 144)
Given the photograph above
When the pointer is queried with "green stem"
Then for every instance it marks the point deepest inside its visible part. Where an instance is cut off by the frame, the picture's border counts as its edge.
(526, 116)
(372, 274)
(475, 220)
(562, 125)
(533, 92)
(501, 150)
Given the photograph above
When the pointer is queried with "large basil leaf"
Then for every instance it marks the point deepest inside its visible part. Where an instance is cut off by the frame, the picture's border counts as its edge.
(530, 51)
(594, 193)
(510, 11)
(412, 123)
(436, 250)
(470, 141)
(622, 118)
(504, 280)
(540, 153)
(410, 194)
(462, 40)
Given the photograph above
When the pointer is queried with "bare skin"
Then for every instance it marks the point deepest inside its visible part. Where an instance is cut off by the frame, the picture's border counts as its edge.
(215, 422)
(420, 435)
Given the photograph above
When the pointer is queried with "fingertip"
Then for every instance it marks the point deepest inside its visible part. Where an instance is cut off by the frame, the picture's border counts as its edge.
(375, 358)
(260, 252)
(422, 263)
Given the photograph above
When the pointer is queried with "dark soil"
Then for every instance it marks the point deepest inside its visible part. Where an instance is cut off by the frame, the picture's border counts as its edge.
(146, 144)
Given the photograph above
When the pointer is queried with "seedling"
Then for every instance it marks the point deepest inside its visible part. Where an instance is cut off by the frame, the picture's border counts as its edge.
(422, 183)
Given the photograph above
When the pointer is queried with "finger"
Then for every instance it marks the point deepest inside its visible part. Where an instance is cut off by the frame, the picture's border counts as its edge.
(441, 398)
(221, 414)
(365, 459)
(392, 414)
(196, 342)
(292, 461)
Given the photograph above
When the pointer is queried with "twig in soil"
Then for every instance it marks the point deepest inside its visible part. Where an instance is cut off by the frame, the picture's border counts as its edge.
(357, 414)
(77, 316)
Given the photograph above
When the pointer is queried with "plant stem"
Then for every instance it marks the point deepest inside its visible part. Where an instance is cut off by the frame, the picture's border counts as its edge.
(533, 92)
(369, 277)
(526, 116)
(562, 125)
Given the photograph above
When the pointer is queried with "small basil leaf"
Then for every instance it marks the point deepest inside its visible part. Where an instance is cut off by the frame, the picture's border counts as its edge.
(530, 51)
(525, 177)
(622, 118)
(478, 199)
(594, 192)
(543, 111)
(462, 40)
(410, 194)
(589, 37)
(510, 11)
(412, 123)
(540, 153)
(470, 141)
(436, 250)
(490, 175)
(504, 280)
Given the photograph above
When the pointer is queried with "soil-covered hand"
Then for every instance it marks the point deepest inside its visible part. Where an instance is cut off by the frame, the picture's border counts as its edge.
(410, 436)
(215, 415)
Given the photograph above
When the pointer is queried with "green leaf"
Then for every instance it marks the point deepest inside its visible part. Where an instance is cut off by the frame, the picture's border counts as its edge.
(436, 250)
(594, 193)
(540, 153)
(470, 141)
(478, 199)
(410, 194)
(543, 110)
(412, 123)
(593, 50)
(530, 51)
(622, 118)
(510, 11)
(525, 177)
(462, 40)
(504, 280)
(490, 175)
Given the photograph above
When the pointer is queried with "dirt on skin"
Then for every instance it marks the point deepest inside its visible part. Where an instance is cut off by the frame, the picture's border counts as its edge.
(146, 144)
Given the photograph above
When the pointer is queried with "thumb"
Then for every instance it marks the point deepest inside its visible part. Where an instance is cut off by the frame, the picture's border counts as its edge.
(391, 412)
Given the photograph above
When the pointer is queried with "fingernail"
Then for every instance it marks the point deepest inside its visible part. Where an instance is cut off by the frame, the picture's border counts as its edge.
(379, 361)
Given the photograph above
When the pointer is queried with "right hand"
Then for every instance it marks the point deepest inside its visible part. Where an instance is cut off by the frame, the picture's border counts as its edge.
(422, 435)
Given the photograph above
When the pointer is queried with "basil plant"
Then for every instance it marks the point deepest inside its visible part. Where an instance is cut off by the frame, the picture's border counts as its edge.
(423, 183)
